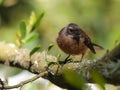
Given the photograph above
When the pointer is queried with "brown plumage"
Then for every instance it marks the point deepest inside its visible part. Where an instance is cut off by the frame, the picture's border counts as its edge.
(74, 41)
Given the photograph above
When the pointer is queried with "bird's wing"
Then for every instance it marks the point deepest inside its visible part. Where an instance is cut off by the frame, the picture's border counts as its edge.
(89, 44)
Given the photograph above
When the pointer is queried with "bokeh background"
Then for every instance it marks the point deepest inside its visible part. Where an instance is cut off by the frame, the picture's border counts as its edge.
(100, 19)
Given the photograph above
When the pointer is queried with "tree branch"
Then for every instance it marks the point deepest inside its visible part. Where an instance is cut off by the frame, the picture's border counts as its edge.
(24, 82)
(108, 66)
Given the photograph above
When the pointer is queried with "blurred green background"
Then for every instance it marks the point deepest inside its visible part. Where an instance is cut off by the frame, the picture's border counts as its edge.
(100, 19)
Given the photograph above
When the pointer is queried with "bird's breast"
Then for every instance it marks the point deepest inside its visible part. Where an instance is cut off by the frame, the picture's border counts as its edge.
(71, 46)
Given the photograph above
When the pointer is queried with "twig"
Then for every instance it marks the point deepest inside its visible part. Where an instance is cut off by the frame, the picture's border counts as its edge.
(25, 82)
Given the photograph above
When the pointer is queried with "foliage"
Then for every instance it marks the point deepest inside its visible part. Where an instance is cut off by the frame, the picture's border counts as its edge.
(35, 49)
(28, 34)
(1, 1)
(97, 78)
(74, 79)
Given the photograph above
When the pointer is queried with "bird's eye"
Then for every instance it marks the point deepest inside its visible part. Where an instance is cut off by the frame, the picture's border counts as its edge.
(71, 30)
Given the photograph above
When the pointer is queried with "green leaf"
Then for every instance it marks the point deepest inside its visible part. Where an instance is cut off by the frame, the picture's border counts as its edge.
(51, 63)
(32, 21)
(36, 24)
(35, 50)
(31, 37)
(98, 78)
(22, 29)
(74, 79)
(50, 46)
(58, 57)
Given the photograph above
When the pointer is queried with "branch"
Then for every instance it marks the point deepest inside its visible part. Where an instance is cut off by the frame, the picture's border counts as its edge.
(108, 66)
(24, 82)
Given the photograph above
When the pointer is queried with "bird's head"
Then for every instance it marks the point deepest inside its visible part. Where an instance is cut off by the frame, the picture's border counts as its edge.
(73, 29)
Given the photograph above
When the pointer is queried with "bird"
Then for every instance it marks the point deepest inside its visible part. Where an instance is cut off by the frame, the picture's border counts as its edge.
(72, 40)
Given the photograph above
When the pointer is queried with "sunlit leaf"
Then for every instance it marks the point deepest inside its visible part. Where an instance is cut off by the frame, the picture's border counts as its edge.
(35, 50)
(36, 24)
(18, 43)
(74, 79)
(22, 29)
(50, 46)
(97, 78)
(58, 57)
(18, 40)
(31, 22)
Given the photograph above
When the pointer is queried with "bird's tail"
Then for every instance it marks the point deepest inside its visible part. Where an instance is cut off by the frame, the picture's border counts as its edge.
(97, 47)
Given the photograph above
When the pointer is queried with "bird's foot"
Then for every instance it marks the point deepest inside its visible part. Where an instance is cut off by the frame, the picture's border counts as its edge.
(67, 59)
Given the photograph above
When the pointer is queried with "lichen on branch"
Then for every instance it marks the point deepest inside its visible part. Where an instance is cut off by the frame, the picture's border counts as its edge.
(107, 66)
